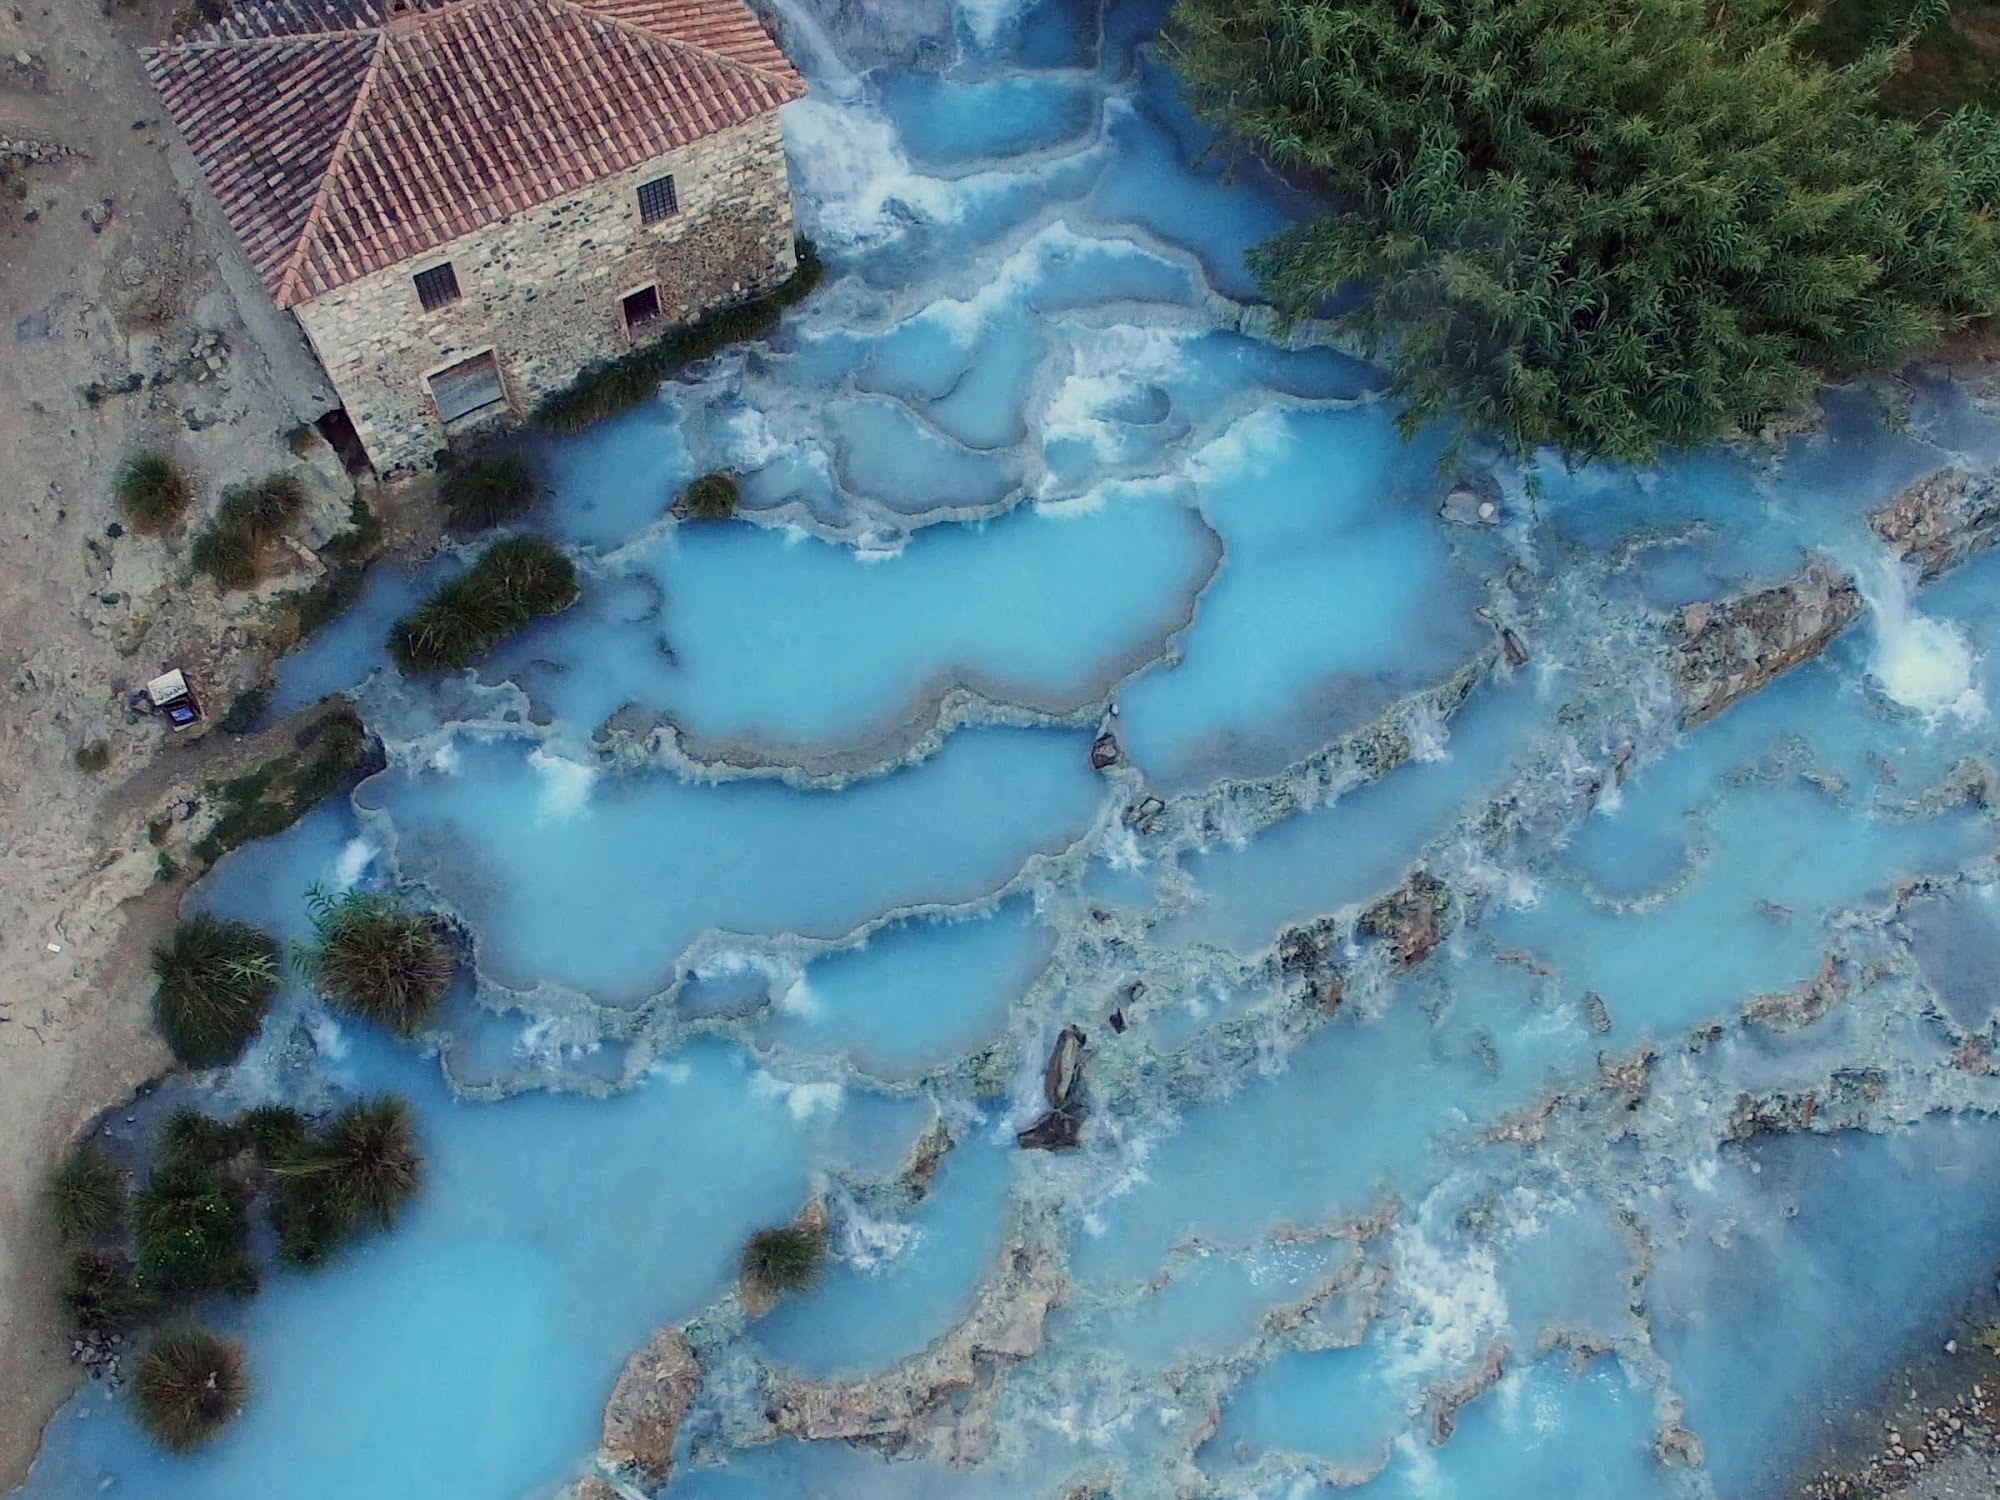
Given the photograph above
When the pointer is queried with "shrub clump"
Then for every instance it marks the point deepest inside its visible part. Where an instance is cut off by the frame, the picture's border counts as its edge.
(346, 558)
(482, 491)
(230, 547)
(191, 1230)
(92, 757)
(713, 497)
(189, 1384)
(379, 958)
(1602, 226)
(325, 754)
(353, 1178)
(777, 1261)
(612, 386)
(152, 492)
(215, 982)
(86, 1193)
(101, 1293)
(515, 582)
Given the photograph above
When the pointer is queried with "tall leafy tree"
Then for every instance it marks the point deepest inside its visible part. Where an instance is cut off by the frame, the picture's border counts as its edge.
(1603, 225)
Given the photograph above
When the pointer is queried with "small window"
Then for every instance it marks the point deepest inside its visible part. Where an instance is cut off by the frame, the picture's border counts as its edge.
(642, 307)
(470, 385)
(437, 286)
(657, 200)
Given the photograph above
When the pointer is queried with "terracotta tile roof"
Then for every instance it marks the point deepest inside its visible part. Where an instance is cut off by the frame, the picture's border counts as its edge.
(341, 139)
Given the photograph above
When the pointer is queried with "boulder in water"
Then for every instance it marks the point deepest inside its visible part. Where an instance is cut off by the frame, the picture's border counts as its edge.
(1410, 919)
(1104, 751)
(1941, 520)
(1725, 651)
(644, 1413)
(938, 1404)
(1062, 1085)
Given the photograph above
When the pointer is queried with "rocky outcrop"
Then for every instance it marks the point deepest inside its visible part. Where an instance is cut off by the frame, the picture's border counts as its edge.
(938, 1404)
(1306, 953)
(1940, 521)
(1104, 751)
(926, 1156)
(1062, 1085)
(1803, 1003)
(1677, 1447)
(1727, 650)
(1781, 1113)
(1449, 1398)
(1410, 919)
(644, 1413)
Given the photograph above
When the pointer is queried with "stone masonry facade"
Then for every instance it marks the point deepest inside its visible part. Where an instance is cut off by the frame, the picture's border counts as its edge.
(544, 291)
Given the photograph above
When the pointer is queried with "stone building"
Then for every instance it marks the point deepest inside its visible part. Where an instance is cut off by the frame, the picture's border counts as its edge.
(465, 202)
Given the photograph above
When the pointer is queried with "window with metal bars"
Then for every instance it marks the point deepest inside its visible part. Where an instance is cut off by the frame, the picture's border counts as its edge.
(657, 200)
(437, 286)
(642, 307)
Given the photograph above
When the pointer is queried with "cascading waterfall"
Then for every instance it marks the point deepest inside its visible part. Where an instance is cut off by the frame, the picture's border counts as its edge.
(1510, 1092)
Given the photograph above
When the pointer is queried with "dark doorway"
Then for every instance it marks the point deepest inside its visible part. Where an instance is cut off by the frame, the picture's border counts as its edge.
(338, 429)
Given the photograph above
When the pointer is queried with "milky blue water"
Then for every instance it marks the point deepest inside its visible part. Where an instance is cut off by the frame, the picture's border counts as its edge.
(782, 852)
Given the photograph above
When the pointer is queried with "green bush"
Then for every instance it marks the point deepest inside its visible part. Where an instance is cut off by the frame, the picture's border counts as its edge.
(713, 497)
(379, 958)
(515, 582)
(191, 1231)
(247, 708)
(485, 489)
(152, 492)
(188, 1385)
(354, 1178)
(250, 517)
(1603, 226)
(86, 1193)
(92, 757)
(1954, 57)
(276, 1132)
(346, 558)
(325, 754)
(617, 385)
(102, 1294)
(215, 983)
(784, 1260)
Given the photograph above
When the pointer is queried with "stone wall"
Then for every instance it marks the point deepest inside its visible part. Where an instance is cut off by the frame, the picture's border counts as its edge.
(543, 290)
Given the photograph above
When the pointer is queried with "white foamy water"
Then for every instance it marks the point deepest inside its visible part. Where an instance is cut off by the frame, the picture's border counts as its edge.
(566, 786)
(1925, 665)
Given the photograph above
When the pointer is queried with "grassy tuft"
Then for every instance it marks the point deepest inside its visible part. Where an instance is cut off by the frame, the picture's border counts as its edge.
(300, 615)
(515, 582)
(713, 497)
(276, 1132)
(381, 959)
(152, 492)
(353, 1179)
(188, 1386)
(246, 708)
(191, 1231)
(486, 489)
(102, 1294)
(216, 979)
(92, 757)
(617, 385)
(86, 1193)
(270, 799)
(230, 547)
(784, 1260)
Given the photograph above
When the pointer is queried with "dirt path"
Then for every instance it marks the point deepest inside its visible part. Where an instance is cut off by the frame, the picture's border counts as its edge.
(106, 274)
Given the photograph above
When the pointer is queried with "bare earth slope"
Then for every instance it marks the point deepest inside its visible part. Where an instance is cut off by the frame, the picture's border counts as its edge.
(106, 273)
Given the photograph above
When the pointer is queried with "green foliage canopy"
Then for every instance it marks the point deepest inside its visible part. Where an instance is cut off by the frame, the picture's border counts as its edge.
(1609, 226)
